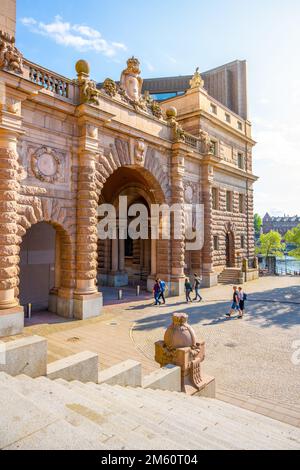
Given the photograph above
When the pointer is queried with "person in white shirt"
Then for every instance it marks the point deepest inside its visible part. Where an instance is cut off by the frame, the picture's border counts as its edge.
(241, 302)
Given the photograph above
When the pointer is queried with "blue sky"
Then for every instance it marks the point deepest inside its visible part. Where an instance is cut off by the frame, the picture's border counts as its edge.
(172, 37)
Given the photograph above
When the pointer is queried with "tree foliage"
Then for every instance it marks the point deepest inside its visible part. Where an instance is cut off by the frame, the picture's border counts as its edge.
(257, 224)
(293, 236)
(270, 244)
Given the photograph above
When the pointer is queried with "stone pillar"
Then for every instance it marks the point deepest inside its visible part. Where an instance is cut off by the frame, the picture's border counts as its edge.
(115, 255)
(11, 314)
(209, 277)
(177, 245)
(121, 255)
(87, 299)
(153, 258)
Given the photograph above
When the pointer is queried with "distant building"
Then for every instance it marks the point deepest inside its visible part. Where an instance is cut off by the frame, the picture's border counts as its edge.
(279, 224)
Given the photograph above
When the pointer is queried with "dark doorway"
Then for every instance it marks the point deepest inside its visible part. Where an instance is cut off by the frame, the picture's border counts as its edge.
(229, 251)
(37, 266)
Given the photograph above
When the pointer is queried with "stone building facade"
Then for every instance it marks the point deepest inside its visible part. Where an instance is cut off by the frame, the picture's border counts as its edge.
(279, 224)
(66, 147)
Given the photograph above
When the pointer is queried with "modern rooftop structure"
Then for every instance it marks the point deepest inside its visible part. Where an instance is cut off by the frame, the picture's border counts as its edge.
(227, 84)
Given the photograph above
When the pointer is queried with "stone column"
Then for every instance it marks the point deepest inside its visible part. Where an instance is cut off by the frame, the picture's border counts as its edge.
(115, 255)
(12, 316)
(209, 276)
(153, 258)
(121, 255)
(87, 300)
(177, 245)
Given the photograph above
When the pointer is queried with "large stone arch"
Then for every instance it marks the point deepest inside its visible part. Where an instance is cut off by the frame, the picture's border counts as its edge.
(153, 188)
(119, 155)
(33, 210)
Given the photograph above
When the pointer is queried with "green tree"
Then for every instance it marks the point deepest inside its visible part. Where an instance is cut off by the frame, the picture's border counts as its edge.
(270, 244)
(293, 236)
(257, 224)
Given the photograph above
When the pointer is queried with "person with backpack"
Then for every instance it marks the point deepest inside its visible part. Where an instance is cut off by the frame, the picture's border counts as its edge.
(188, 290)
(156, 292)
(242, 298)
(197, 284)
(235, 306)
(163, 288)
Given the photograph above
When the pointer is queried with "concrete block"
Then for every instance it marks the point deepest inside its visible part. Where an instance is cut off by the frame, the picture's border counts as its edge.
(82, 366)
(128, 373)
(25, 356)
(166, 378)
(11, 321)
(87, 306)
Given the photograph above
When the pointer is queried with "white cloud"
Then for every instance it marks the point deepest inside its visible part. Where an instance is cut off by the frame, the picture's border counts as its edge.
(80, 37)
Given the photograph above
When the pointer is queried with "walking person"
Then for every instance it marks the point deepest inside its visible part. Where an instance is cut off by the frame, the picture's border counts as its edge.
(188, 290)
(235, 306)
(242, 298)
(156, 292)
(197, 284)
(163, 288)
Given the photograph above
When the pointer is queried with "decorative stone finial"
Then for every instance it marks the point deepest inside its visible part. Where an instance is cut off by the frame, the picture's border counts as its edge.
(181, 348)
(171, 112)
(82, 67)
(196, 81)
(180, 334)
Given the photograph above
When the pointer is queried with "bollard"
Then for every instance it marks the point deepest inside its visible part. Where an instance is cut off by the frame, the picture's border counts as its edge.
(29, 311)
(138, 290)
(120, 294)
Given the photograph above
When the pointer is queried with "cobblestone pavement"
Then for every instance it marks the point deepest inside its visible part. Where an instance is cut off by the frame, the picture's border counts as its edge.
(250, 358)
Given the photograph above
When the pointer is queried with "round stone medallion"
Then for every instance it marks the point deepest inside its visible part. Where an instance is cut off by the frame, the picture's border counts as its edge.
(47, 165)
(188, 194)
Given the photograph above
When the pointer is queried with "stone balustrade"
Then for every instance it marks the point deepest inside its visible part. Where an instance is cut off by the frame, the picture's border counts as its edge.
(53, 82)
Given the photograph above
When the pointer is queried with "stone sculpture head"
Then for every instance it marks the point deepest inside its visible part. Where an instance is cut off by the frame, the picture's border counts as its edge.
(130, 81)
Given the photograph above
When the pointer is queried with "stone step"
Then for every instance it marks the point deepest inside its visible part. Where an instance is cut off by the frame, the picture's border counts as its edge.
(108, 421)
(143, 416)
(72, 415)
(246, 418)
(219, 432)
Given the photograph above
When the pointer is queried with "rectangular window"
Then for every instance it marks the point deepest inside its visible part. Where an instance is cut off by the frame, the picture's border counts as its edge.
(227, 118)
(213, 108)
(242, 242)
(240, 126)
(241, 161)
(215, 199)
(229, 201)
(241, 203)
(216, 242)
(213, 148)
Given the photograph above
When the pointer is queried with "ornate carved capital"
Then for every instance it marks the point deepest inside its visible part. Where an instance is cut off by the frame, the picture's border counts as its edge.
(11, 58)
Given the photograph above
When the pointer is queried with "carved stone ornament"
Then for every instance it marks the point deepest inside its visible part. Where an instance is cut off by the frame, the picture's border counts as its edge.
(196, 81)
(46, 165)
(10, 57)
(88, 91)
(139, 152)
(205, 142)
(110, 87)
(189, 193)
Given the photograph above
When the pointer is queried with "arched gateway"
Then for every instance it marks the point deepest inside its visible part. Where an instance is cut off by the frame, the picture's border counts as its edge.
(69, 146)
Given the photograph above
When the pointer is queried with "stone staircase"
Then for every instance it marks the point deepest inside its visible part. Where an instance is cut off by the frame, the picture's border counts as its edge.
(231, 276)
(55, 414)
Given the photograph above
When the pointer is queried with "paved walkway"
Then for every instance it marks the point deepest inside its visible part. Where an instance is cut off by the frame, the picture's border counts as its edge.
(250, 358)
